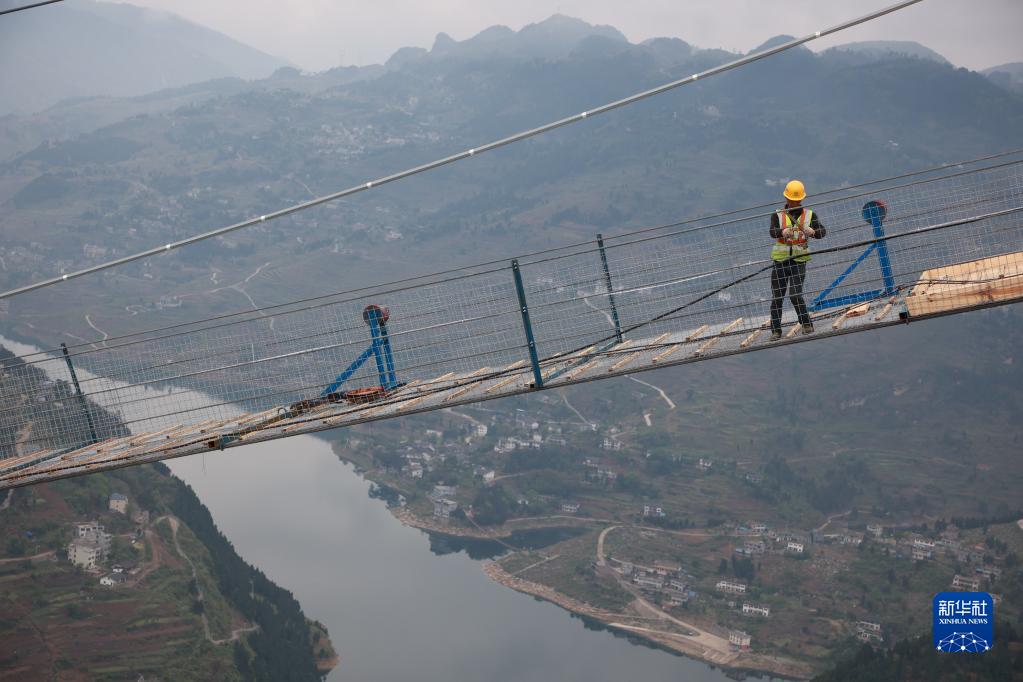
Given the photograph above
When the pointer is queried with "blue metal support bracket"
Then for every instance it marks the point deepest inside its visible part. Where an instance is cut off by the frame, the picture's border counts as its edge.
(874, 212)
(380, 349)
(610, 288)
(524, 309)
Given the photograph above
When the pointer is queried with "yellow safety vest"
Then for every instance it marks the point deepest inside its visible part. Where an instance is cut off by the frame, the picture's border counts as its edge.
(795, 246)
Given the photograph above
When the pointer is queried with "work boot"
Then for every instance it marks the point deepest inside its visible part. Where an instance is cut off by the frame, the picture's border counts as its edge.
(775, 334)
(808, 327)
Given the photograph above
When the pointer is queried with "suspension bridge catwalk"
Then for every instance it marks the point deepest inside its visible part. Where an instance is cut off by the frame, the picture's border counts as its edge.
(926, 244)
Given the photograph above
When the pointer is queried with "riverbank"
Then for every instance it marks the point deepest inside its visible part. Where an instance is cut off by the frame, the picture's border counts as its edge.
(697, 644)
(442, 527)
(640, 619)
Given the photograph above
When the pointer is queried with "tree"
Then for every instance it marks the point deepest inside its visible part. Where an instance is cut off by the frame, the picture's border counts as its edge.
(492, 505)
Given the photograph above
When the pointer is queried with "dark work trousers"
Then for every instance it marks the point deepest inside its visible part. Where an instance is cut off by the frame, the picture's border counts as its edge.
(789, 275)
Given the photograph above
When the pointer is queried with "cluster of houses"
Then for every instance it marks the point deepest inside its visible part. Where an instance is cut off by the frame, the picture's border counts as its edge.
(90, 543)
(664, 579)
(760, 540)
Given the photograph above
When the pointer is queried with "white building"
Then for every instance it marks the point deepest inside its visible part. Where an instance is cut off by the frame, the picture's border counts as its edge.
(729, 586)
(89, 545)
(86, 529)
(754, 610)
(739, 639)
(570, 508)
(868, 626)
(964, 583)
(118, 503)
(655, 582)
(705, 464)
(481, 430)
(442, 508)
(795, 547)
(113, 579)
(85, 553)
(651, 511)
(442, 491)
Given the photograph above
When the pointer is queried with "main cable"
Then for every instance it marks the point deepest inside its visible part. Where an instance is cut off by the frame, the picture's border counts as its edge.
(490, 146)
(25, 7)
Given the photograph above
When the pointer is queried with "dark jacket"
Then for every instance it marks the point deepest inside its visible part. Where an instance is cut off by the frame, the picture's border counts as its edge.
(794, 213)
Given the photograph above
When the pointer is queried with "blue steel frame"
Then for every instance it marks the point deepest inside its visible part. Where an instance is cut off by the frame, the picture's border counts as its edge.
(874, 212)
(380, 349)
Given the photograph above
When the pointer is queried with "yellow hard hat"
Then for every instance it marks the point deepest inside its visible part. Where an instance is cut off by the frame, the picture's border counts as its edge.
(794, 191)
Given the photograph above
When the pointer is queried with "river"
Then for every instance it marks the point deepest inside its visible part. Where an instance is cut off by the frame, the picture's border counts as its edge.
(394, 609)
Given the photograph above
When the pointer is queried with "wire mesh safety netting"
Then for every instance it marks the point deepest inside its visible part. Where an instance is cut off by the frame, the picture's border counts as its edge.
(664, 291)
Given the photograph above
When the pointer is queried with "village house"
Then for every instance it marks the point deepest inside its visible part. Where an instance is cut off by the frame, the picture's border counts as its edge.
(441, 491)
(729, 586)
(677, 598)
(113, 579)
(118, 503)
(965, 583)
(921, 554)
(569, 508)
(752, 548)
(650, 511)
(875, 529)
(869, 626)
(989, 572)
(87, 529)
(85, 553)
(794, 547)
(442, 508)
(757, 528)
(666, 568)
(754, 610)
(739, 640)
(89, 546)
(704, 464)
(647, 581)
(867, 631)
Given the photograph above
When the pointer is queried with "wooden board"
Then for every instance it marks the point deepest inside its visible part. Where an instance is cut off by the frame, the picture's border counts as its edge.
(964, 285)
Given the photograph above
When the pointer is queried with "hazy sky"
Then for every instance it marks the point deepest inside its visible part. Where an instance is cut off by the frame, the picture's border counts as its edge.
(320, 34)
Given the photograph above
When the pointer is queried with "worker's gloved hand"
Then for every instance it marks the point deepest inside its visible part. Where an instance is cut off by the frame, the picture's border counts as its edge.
(810, 232)
(787, 233)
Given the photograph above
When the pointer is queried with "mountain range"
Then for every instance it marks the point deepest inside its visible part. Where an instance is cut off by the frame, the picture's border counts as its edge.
(88, 48)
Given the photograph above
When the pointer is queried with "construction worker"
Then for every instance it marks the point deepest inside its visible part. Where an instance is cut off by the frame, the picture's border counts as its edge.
(792, 227)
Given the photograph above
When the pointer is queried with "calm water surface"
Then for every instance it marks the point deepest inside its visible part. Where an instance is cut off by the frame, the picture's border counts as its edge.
(395, 610)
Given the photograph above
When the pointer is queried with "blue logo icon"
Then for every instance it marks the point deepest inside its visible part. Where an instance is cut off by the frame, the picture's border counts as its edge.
(964, 622)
